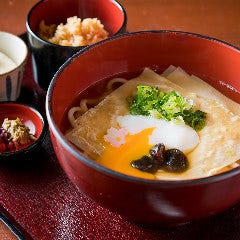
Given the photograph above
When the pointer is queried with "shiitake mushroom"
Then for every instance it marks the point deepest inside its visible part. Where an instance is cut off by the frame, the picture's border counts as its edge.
(171, 160)
(174, 161)
(146, 164)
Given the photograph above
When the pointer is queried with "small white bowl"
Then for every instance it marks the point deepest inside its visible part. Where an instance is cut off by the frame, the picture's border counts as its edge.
(13, 57)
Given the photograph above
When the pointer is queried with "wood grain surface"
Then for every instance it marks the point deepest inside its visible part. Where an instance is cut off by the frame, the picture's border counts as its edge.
(216, 18)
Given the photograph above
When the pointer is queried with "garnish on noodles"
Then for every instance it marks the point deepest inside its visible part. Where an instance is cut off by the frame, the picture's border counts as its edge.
(172, 126)
(167, 105)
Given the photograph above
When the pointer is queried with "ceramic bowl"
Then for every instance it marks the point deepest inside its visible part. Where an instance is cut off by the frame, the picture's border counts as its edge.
(48, 57)
(31, 118)
(13, 57)
(145, 201)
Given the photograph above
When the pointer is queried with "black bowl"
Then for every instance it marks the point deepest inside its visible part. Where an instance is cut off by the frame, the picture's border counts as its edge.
(48, 57)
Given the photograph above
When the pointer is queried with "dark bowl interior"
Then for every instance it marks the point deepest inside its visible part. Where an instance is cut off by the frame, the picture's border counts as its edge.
(145, 201)
(31, 118)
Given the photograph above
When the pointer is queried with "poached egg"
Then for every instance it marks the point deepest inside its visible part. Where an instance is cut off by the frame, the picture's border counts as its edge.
(137, 134)
(172, 135)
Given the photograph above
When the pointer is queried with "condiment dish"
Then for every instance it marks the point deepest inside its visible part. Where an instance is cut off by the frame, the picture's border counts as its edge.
(48, 57)
(32, 119)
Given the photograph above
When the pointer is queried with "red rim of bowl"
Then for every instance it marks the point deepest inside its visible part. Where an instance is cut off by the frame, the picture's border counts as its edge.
(39, 138)
(60, 136)
(123, 27)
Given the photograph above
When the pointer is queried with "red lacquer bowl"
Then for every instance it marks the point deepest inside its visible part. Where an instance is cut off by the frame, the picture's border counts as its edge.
(145, 201)
(31, 118)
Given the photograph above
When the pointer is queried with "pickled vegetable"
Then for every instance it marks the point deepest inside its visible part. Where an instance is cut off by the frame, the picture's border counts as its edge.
(14, 135)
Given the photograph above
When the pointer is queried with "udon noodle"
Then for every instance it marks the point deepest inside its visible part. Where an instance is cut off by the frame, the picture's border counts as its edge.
(84, 104)
(218, 149)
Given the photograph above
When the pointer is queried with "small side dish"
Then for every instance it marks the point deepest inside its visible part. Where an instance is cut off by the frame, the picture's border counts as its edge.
(22, 130)
(13, 58)
(76, 32)
(79, 25)
(14, 135)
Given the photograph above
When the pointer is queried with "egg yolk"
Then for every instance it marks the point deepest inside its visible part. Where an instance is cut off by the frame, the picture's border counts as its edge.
(120, 158)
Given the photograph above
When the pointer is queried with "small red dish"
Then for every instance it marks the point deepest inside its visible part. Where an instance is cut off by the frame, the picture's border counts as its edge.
(31, 118)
